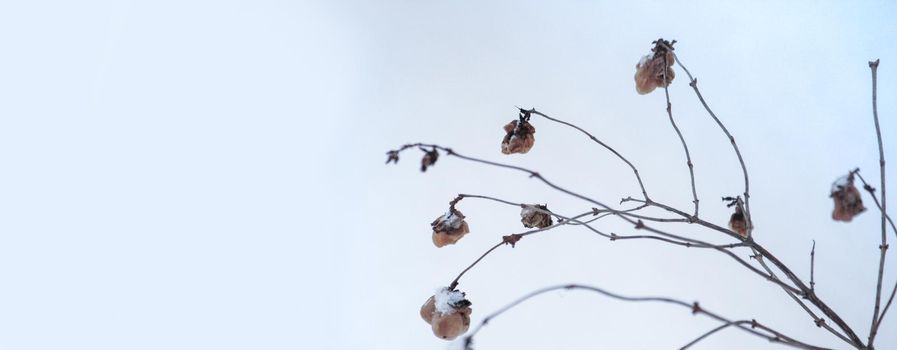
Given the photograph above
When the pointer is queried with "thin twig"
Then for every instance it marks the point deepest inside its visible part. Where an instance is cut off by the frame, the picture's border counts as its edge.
(613, 236)
(812, 266)
(693, 82)
(641, 184)
(714, 330)
(812, 297)
(638, 223)
(767, 333)
(801, 289)
(504, 241)
(691, 167)
(691, 219)
(883, 247)
(871, 191)
(820, 322)
(624, 216)
(568, 221)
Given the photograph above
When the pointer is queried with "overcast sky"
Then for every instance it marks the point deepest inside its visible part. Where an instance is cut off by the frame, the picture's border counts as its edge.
(209, 174)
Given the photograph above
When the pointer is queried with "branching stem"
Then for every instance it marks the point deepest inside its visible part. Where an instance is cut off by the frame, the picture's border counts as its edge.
(756, 328)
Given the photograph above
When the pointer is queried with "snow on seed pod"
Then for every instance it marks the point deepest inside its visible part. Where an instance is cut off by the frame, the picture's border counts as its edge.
(531, 217)
(448, 313)
(449, 228)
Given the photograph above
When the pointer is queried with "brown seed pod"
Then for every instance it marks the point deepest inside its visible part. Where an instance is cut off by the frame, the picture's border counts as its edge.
(428, 160)
(428, 309)
(533, 218)
(737, 222)
(449, 228)
(848, 202)
(518, 138)
(649, 72)
(450, 326)
(448, 313)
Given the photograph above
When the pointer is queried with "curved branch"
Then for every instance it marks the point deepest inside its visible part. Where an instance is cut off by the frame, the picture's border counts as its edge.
(566, 221)
(634, 169)
(638, 223)
(612, 236)
(820, 322)
(802, 289)
(717, 329)
(747, 184)
(691, 167)
(770, 334)
(512, 239)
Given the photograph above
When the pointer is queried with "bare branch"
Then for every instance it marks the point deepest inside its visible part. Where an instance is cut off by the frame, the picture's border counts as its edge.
(883, 247)
(691, 167)
(812, 266)
(612, 236)
(763, 332)
(820, 322)
(511, 239)
(572, 221)
(717, 329)
(793, 286)
(693, 82)
(640, 224)
(802, 289)
(871, 191)
(634, 169)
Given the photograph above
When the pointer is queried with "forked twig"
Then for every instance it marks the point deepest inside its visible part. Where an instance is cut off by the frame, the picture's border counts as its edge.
(688, 162)
(883, 247)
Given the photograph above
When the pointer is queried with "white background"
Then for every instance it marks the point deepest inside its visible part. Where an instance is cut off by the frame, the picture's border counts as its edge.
(209, 174)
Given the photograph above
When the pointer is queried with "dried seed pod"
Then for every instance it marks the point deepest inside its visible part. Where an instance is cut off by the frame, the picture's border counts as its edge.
(429, 159)
(450, 326)
(392, 157)
(428, 309)
(530, 217)
(737, 222)
(448, 313)
(848, 202)
(650, 70)
(449, 228)
(518, 138)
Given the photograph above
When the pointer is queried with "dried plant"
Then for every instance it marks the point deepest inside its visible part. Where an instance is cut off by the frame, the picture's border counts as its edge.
(448, 312)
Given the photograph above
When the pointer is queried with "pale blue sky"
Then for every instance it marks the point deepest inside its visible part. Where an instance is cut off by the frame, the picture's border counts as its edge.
(209, 174)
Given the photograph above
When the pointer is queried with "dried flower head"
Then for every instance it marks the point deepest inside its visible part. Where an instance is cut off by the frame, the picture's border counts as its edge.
(429, 159)
(651, 70)
(449, 228)
(737, 222)
(530, 217)
(448, 313)
(848, 202)
(519, 136)
(392, 157)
